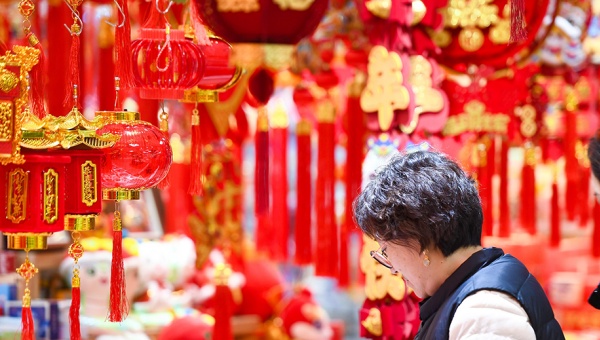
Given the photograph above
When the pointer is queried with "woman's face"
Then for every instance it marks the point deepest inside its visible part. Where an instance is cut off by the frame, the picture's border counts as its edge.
(409, 262)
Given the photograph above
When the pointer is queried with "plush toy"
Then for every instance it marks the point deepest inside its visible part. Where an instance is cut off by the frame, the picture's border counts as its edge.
(301, 318)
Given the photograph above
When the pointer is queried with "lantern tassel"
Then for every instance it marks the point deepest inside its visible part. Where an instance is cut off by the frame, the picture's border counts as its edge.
(518, 31)
(554, 215)
(123, 49)
(119, 307)
(196, 164)
(303, 209)
(28, 331)
(527, 212)
(261, 184)
(224, 309)
(504, 228)
(73, 75)
(596, 230)
(74, 310)
(37, 81)
(164, 127)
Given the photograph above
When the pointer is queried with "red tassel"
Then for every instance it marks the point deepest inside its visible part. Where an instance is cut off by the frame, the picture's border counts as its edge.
(355, 129)
(327, 236)
(261, 174)
(196, 164)
(518, 29)
(71, 92)
(164, 127)
(279, 184)
(584, 195)
(571, 163)
(223, 312)
(596, 231)
(38, 80)
(123, 62)
(74, 311)
(528, 204)
(119, 306)
(554, 216)
(303, 219)
(27, 331)
(504, 228)
(484, 177)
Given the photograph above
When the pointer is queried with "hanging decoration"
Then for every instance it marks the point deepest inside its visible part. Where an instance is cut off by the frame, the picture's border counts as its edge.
(165, 63)
(37, 76)
(138, 161)
(72, 97)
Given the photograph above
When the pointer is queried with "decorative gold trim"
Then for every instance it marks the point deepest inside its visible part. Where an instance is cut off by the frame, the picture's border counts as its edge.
(120, 194)
(27, 241)
(196, 95)
(6, 120)
(119, 115)
(80, 222)
(17, 195)
(89, 183)
(50, 196)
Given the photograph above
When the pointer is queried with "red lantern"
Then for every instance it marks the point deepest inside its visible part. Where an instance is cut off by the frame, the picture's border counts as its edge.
(164, 62)
(138, 161)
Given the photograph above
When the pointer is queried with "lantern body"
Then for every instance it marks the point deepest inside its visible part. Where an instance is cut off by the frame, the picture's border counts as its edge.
(164, 62)
(32, 194)
(218, 71)
(139, 160)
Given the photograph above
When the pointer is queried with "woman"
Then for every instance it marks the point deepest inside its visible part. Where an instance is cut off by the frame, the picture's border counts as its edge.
(426, 215)
(594, 156)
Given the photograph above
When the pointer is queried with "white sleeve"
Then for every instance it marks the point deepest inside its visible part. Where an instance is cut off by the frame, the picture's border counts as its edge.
(490, 315)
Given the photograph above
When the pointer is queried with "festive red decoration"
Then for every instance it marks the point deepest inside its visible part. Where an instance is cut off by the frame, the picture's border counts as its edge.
(279, 173)
(139, 160)
(262, 21)
(303, 221)
(326, 255)
(527, 199)
(224, 308)
(164, 62)
(571, 162)
(554, 216)
(583, 195)
(261, 172)
(504, 206)
(596, 232)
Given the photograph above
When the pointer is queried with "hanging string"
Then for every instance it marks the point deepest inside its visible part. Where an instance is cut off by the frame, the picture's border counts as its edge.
(75, 251)
(27, 270)
(73, 75)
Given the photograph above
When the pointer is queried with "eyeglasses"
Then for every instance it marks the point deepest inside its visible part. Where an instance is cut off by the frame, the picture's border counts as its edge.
(380, 256)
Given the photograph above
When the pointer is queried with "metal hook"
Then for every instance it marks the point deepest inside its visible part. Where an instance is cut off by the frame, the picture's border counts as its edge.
(122, 14)
(166, 9)
(76, 17)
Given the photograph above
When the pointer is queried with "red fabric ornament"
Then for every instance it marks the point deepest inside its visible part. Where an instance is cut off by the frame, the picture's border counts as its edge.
(123, 62)
(262, 21)
(279, 211)
(554, 216)
(528, 203)
(326, 255)
(164, 62)
(303, 221)
(571, 162)
(504, 206)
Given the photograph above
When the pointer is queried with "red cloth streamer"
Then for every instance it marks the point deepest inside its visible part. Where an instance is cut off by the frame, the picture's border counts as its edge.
(261, 172)
(326, 262)
(279, 211)
(72, 88)
(571, 164)
(518, 29)
(223, 312)
(355, 130)
(504, 227)
(584, 195)
(27, 331)
(38, 80)
(554, 217)
(528, 204)
(196, 164)
(484, 176)
(119, 306)
(75, 332)
(123, 62)
(596, 231)
(303, 235)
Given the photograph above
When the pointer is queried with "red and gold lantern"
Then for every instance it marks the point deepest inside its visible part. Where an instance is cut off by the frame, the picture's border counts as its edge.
(138, 161)
(165, 63)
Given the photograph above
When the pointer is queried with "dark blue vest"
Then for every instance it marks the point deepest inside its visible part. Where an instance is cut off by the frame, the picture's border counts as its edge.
(488, 269)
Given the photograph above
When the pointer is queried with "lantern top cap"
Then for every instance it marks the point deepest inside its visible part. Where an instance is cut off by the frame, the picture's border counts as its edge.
(119, 115)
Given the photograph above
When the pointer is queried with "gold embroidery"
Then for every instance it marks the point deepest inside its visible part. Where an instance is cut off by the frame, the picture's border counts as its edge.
(238, 5)
(296, 5)
(89, 183)
(50, 196)
(6, 122)
(475, 119)
(17, 195)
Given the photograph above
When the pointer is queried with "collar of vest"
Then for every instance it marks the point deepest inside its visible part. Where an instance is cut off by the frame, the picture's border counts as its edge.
(475, 262)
